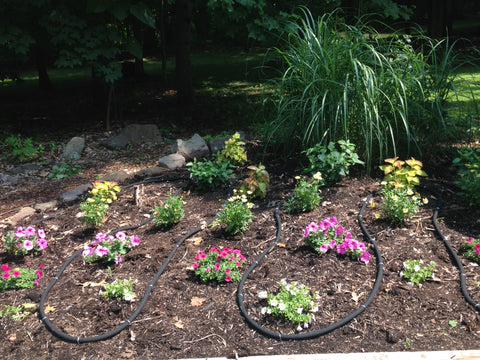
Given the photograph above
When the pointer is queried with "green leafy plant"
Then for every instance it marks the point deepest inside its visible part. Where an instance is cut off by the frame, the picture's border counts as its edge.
(109, 248)
(209, 174)
(19, 278)
(233, 152)
(20, 149)
(236, 214)
(63, 170)
(96, 205)
(332, 162)
(452, 323)
(119, 289)
(293, 302)
(219, 264)
(414, 271)
(18, 313)
(471, 249)
(257, 181)
(170, 213)
(306, 195)
(25, 241)
(329, 235)
(468, 180)
(400, 204)
(399, 173)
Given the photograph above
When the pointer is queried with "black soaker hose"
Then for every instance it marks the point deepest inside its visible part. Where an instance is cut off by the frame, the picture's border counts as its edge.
(327, 329)
(81, 340)
(452, 252)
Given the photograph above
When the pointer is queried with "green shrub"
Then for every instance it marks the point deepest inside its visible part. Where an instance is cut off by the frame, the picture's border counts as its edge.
(306, 195)
(209, 174)
(170, 213)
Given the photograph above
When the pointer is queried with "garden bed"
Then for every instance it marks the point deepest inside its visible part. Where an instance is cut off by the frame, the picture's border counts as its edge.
(184, 318)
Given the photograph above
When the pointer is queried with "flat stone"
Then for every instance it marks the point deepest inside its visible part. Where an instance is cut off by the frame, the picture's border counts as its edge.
(46, 205)
(22, 214)
(116, 176)
(195, 147)
(172, 161)
(152, 171)
(71, 196)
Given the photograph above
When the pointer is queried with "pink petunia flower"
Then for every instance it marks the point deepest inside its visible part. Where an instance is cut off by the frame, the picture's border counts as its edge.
(101, 251)
(120, 236)
(312, 227)
(42, 266)
(217, 266)
(237, 263)
(477, 249)
(469, 240)
(19, 233)
(87, 251)
(100, 236)
(228, 279)
(42, 243)
(30, 231)
(15, 273)
(323, 248)
(41, 233)
(339, 230)
(134, 241)
(195, 265)
(28, 245)
(365, 257)
(207, 269)
(341, 248)
(332, 243)
(39, 273)
(333, 220)
(5, 267)
(227, 271)
(5, 275)
(348, 235)
(35, 281)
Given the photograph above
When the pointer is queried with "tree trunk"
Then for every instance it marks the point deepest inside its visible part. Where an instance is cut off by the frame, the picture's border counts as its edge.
(182, 59)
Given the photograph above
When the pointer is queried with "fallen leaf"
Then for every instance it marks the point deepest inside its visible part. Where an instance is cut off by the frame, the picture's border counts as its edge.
(93, 284)
(196, 301)
(281, 245)
(49, 309)
(179, 324)
(196, 240)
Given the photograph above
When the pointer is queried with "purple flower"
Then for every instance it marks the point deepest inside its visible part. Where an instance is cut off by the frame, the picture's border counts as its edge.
(332, 244)
(30, 231)
(365, 257)
(341, 248)
(339, 230)
(118, 259)
(348, 235)
(28, 245)
(333, 220)
(42, 243)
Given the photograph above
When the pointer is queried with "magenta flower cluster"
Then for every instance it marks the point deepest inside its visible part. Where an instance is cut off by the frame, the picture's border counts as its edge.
(221, 264)
(328, 234)
(22, 278)
(24, 241)
(109, 248)
(471, 249)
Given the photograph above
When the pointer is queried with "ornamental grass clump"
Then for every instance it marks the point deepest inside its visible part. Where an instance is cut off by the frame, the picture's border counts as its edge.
(415, 272)
(293, 302)
(109, 248)
(471, 249)
(468, 175)
(219, 264)
(19, 278)
(170, 213)
(306, 195)
(25, 241)
(329, 235)
(236, 214)
(96, 205)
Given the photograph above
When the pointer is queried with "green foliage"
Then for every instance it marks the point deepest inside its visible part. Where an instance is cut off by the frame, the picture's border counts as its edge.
(233, 152)
(331, 162)
(209, 174)
(95, 207)
(415, 272)
(257, 182)
(399, 173)
(18, 149)
(468, 164)
(350, 82)
(293, 302)
(471, 249)
(62, 170)
(236, 215)
(400, 204)
(218, 264)
(306, 195)
(170, 213)
(19, 278)
(109, 248)
(119, 289)
(14, 311)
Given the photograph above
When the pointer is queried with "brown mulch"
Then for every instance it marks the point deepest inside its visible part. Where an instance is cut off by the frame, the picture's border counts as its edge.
(184, 318)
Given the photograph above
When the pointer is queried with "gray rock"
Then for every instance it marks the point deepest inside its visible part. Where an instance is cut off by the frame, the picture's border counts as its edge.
(71, 196)
(195, 147)
(73, 149)
(26, 168)
(135, 134)
(172, 161)
(6, 179)
(153, 171)
(46, 205)
(116, 176)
